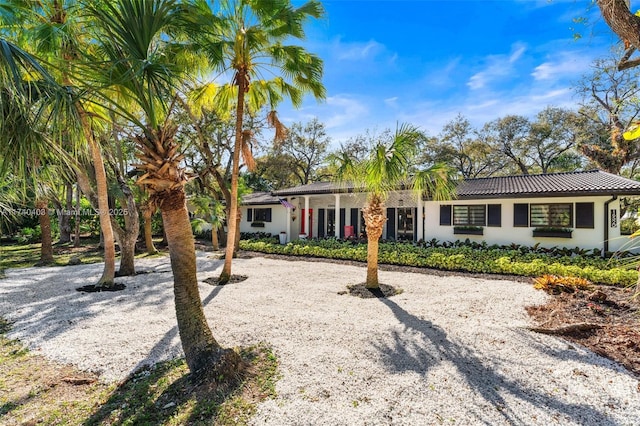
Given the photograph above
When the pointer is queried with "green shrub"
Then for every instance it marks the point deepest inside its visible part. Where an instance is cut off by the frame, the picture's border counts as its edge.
(512, 260)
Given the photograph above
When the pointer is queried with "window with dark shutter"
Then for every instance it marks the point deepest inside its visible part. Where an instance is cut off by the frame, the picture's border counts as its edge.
(249, 215)
(391, 223)
(584, 215)
(261, 215)
(521, 215)
(445, 215)
(494, 215)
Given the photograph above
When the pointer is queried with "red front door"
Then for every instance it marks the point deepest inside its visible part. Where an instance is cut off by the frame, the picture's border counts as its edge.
(304, 221)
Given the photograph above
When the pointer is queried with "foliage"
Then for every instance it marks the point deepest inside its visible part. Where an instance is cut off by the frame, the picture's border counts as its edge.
(163, 394)
(629, 225)
(468, 257)
(554, 284)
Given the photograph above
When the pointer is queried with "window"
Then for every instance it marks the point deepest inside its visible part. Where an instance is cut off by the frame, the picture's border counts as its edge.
(494, 215)
(445, 215)
(560, 215)
(584, 215)
(521, 215)
(469, 215)
(262, 215)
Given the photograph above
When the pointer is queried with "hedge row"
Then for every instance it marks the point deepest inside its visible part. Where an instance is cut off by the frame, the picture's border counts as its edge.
(458, 259)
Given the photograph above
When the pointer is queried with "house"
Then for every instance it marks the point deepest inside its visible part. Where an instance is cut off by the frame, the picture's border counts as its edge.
(573, 209)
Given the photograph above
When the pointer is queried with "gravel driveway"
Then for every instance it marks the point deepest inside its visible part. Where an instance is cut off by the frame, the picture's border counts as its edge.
(449, 350)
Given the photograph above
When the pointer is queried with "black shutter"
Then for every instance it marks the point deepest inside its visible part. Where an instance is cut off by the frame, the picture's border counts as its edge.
(249, 215)
(584, 215)
(494, 215)
(343, 220)
(521, 215)
(445, 215)
(415, 224)
(268, 219)
(321, 223)
(391, 223)
(354, 221)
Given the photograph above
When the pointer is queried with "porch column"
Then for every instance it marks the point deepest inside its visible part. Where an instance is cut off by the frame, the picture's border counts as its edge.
(306, 212)
(420, 219)
(288, 224)
(339, 225)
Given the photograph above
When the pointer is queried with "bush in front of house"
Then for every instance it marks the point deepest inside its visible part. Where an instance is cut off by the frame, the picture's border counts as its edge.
(463, 257)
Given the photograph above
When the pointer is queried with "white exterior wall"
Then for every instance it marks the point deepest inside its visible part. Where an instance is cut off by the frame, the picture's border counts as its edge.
(291, 221)
(278, 219)
(507, 233)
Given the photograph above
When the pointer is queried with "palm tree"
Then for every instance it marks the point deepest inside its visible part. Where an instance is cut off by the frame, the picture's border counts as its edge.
(32, 108)
(386, 169)
(140, 60)
(247, 41)
(54, 31)
(213, 212)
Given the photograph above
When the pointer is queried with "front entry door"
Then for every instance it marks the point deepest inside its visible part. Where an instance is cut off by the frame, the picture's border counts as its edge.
(405, 224)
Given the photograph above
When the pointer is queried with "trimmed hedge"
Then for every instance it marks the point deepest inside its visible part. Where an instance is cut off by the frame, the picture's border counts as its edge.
(462, 258)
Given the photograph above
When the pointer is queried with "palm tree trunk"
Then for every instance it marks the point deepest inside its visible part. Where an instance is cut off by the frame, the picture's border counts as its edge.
(374, 218)
(64, 216)
(147, 213)
(200, 348)
(46, 249)
(76, 236)
(235, 170)
(214, 238)
(109, 271)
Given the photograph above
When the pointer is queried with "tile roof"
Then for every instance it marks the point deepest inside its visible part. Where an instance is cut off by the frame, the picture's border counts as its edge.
(592, 182)
(260, 198)
(314, 188)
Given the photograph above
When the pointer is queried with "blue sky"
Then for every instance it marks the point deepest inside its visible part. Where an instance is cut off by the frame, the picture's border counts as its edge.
(425, 61)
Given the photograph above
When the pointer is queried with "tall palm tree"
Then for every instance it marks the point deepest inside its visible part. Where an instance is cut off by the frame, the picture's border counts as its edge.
(140, 60)
(54, 31)
(32, 108)
(386, 169)
(247, 40)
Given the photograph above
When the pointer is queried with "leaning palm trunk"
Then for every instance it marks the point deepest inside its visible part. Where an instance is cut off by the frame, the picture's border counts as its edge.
(225, 275)
(374, 218)
(165, 179)
(200, 348)
(109, 271)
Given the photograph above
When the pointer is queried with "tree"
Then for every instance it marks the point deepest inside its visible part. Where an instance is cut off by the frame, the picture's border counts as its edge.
(508, 136)
(140, 60)
(248, 42)
(460, 146)
(552, 140)
(610, 105)
(386, 169)
(626, 25)
(35, 112)
(53, 29)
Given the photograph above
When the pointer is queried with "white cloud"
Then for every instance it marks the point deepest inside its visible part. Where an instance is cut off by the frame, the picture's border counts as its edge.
(497, 66)
(358, 51)
(392, 102)
(564, 64)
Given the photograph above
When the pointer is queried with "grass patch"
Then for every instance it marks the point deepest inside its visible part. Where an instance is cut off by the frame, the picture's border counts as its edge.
(15, 255)
(34, 390)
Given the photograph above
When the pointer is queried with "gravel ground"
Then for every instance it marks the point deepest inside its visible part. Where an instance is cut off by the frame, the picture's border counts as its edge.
(449, 350)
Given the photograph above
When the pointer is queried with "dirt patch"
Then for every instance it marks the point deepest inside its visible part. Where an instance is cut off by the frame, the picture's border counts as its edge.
(93, 288)
(607, 321)
(232, 280)
(360, 290)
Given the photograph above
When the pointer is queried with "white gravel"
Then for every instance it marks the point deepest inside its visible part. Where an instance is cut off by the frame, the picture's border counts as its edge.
(449, 350)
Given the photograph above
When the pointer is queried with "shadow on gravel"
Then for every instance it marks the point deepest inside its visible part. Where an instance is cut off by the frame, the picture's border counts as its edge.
(165, 344)
(434, 347)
